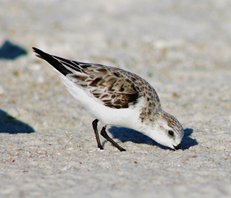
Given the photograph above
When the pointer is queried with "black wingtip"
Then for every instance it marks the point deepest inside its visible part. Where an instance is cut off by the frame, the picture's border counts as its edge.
(50, 59)
(36, 50)
(40, 53)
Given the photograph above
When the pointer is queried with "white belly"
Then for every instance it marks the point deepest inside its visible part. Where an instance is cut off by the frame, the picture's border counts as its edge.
(125, 117)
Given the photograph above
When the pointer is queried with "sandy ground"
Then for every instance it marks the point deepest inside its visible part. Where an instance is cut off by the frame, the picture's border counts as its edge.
(183, 48)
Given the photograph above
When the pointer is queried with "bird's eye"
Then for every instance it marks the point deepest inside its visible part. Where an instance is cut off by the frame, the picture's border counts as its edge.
(171, 133)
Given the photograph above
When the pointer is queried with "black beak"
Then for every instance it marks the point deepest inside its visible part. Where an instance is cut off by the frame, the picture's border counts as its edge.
(177, 147)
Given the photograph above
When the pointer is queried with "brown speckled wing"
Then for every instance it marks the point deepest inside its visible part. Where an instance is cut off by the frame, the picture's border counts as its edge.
(108, 84)
(116, 88)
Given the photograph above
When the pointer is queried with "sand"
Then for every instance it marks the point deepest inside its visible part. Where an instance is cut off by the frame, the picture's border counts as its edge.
(182, 48)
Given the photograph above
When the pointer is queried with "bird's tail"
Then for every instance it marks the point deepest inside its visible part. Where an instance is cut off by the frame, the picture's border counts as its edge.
(53, 60)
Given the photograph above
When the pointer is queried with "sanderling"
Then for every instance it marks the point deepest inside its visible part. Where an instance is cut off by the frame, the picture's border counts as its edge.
(117, 98)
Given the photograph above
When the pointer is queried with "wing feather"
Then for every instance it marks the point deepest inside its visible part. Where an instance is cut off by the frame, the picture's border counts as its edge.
(114, 87)
(114, 90)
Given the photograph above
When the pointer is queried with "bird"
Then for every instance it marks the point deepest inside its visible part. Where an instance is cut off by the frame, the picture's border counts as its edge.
(117, 97)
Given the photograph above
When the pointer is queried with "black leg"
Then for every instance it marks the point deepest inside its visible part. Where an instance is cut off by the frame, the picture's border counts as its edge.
(105, 135)
(94, 125)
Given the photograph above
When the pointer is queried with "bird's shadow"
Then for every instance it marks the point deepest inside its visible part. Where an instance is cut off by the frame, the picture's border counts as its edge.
(11, 125)
(11, 51)
(125, 134)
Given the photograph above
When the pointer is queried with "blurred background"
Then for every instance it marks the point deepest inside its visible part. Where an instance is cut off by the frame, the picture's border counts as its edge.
(182, 47)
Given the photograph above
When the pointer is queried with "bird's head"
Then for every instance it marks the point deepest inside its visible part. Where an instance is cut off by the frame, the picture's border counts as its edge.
(167, 130)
